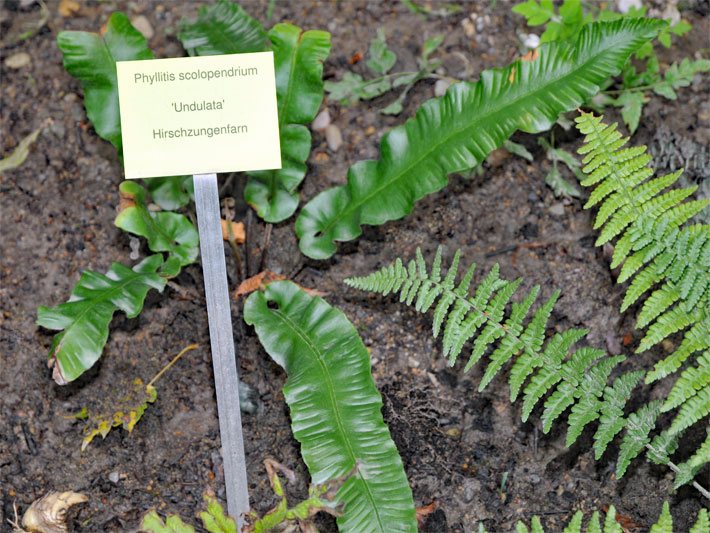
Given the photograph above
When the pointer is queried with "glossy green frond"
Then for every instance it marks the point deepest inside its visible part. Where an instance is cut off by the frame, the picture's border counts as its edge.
(298, 58)
(91, 58)
(667, 263)
(572, 379)
(222, 28)
(335, 406)
(165, 231)
(84, 319)
(456, 132)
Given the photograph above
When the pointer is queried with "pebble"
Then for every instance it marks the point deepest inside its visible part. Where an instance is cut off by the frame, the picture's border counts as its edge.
(440, 87)
(557, 209)
(333, 137)
(531, 41)
(471, 489)
(322, 121)
(135, 245)
(113, 477)
(18, 60)
(142, 24)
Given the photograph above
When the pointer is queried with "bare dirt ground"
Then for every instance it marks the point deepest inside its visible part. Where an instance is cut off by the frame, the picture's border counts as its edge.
(466, 450)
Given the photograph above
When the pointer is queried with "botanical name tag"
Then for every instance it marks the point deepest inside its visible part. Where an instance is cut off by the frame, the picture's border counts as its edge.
(198, 115)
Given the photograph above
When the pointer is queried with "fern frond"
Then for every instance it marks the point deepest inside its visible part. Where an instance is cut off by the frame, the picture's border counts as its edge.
(571, 379)
(664, 524)
(668, 265)
(665, 521)
(688, 469)
(639, 426)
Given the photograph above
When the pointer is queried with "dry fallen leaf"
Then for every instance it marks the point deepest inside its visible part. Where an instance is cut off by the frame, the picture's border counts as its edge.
(532, 55)
(47, 514)
(511, 76)
(261, 280)
(424, 511)
(237, 231)
(67, 8)
(254, 283)
(16, 158)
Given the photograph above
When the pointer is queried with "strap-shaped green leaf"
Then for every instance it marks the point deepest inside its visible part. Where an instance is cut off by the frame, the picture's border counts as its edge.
(165, 231)
(85, 318)
(335, 406)
(222, 28)
(91, 58)
(457, 131)
(298, 58)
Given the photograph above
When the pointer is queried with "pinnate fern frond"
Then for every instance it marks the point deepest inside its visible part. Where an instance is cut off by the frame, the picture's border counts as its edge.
(571, 379)
(666, 261)
(664, 524)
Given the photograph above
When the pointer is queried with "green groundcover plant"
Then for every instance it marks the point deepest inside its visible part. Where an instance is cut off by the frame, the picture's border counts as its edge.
(334, 403)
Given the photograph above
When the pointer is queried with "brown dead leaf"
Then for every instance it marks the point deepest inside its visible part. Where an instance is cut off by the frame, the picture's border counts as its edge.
(532, 55)
(68, 8)
(627, 523)
(424, 511)
(125, 201)
(255, 283)
(237, 231)
(261, 280)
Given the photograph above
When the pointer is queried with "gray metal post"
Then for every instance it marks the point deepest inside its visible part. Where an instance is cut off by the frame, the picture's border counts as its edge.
(223, 358)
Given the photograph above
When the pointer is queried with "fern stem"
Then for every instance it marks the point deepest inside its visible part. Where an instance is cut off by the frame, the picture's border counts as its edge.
(171, 363)
(670, 464)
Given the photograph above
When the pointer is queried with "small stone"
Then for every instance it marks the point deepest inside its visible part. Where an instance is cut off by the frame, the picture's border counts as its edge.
(114, 477)
(557, 209)
(322, 121)
(531, 41)
(135, 245)
(535, 479)
(58, 129)
(440, 87)
(333, 137)
(471, 488)
(18, 60)
(142, 24)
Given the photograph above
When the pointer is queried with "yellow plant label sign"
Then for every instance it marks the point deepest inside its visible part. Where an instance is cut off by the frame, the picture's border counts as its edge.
(198, 115)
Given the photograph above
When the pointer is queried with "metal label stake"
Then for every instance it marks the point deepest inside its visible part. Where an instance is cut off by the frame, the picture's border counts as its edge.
(223, 358)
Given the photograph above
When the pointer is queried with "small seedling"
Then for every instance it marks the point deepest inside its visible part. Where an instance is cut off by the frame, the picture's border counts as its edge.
(353, 88)
(638, 77)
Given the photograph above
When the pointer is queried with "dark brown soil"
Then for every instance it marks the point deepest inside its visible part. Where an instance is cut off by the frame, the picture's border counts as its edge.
(466, 450)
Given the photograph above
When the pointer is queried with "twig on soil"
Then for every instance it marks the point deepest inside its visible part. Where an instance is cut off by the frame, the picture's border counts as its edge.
(183, 292)
(175, 359)
(265, 246)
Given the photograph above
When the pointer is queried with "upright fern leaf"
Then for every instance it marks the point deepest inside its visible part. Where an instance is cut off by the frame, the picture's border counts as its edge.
(668, 262)
(574, 379)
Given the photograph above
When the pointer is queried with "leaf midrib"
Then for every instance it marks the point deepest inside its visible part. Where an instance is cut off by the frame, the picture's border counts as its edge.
(105, 296)
(352, 206)
(329, 381)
